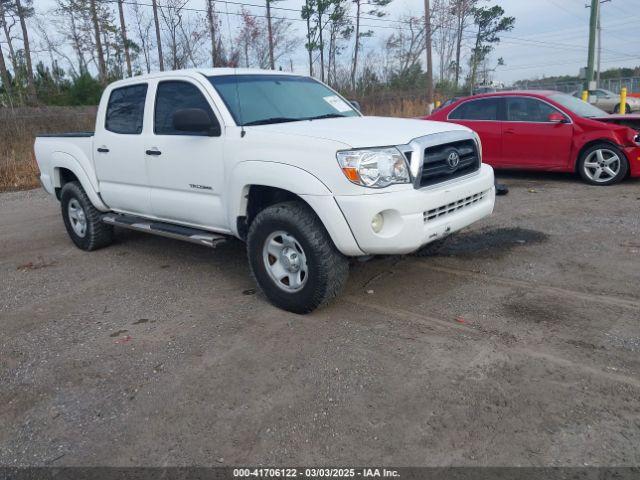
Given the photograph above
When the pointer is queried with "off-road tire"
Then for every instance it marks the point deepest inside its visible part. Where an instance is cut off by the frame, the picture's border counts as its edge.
(328, 269)
(98, 234)
(622, 171)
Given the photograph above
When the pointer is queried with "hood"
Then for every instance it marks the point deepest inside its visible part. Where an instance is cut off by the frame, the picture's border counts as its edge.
(362, 132)
(631, 121)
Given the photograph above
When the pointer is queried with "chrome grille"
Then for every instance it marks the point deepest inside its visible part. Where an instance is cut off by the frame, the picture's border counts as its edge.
(453, 207)
(437, 168)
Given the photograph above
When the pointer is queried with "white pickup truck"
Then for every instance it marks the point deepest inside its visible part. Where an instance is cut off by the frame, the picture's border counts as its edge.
(278, 160)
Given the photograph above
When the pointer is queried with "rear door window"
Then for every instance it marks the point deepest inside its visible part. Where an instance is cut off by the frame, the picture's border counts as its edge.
(125, 110)
(481, 109)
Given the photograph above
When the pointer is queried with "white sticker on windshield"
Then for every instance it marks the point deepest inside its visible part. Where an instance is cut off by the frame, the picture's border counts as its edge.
(337, 103)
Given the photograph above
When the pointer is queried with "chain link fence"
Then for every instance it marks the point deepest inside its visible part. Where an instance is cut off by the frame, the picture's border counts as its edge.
(613, 84)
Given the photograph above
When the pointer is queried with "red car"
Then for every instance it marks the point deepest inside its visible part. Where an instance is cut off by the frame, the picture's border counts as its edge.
(551, 131)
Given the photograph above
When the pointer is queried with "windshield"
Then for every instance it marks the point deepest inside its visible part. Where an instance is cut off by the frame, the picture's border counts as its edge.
(577, 106)
(265, 99)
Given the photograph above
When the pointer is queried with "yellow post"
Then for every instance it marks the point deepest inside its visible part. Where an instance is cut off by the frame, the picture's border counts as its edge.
(623, 101)
(585, 95)
(438, 103)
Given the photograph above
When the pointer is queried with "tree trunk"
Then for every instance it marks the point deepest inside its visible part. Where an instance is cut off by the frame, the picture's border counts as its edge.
(158, 40)
(31, 88)
(354, 67)
(272, 64)
(459, 44)
(321, 46)
(427, 33)
(212, 32)
(474, 65)
(7, 35)
(309, 44)
(4, 76)
(102, 67)
(125, 41)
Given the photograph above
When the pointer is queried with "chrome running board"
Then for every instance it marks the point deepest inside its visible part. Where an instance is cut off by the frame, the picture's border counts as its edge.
(169, 230)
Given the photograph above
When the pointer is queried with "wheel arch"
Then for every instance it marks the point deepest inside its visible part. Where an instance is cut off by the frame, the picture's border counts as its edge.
(256, 185)
(66, 168)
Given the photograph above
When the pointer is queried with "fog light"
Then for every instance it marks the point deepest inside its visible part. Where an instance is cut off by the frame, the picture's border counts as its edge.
(377, 222)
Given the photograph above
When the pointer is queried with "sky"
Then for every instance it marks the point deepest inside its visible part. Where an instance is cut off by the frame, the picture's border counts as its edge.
(550, 36)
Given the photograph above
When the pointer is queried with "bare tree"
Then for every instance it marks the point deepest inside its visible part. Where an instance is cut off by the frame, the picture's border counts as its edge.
(125, 40)
(23, 13)
(72, 20)
(428, 45)
(8, 22)
(143, 30)
(340, 29)
(307, 12)
(444, 37)
(154, 3)
(406, 46)
(463, 11)
(213, 24)
(254, 44)
(102, 66)
(4, 75)
(377, 12)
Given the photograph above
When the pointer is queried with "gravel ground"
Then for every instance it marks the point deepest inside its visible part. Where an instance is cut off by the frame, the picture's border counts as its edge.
(517, 344)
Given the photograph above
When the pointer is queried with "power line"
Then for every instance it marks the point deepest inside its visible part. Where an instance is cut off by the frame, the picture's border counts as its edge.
(515, 40)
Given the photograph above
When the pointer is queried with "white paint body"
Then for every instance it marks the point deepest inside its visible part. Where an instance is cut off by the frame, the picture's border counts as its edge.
(299, 157)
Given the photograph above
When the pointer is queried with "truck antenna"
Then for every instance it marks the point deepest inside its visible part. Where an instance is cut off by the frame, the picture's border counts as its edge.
(242, 130)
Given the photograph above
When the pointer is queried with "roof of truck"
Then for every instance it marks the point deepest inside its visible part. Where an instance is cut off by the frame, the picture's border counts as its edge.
(208, 72)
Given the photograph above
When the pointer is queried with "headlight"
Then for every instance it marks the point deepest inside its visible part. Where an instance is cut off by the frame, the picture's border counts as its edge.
(374, 168)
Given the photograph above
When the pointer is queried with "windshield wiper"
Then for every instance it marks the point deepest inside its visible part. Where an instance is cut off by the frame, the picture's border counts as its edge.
(267, 121)
(327, 115)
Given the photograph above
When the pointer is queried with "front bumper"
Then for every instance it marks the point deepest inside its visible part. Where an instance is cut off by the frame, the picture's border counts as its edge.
(415, 217)
(633, 155)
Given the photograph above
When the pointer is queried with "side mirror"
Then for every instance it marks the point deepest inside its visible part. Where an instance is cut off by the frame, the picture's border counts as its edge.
(557, 118)
(195, 121)
(355, 104)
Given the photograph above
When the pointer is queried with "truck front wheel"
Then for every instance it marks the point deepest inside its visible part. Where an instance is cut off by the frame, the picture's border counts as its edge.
(82, 220)
(293, 259)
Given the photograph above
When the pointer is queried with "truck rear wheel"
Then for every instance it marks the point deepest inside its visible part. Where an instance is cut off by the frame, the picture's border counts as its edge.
(293, 259)
(82, 220)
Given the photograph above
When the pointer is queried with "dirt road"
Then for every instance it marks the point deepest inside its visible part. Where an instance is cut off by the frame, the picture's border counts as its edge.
(519, 344)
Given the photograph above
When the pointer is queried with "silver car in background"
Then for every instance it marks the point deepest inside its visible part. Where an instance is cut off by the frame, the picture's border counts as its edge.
(609, 101)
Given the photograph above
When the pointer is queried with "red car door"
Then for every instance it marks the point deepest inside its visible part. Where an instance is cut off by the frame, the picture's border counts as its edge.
(535, 135)
(483, 117)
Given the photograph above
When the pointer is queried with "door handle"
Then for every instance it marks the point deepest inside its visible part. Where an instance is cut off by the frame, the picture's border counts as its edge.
(510, 132)
(103, 150)
(153, 152)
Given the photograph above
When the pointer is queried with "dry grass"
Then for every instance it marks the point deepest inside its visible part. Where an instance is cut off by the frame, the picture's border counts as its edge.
(406, 105)
(18, 128)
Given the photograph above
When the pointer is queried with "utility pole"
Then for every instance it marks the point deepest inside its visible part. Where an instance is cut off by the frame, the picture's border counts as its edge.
(427, 32)
(593, 24)
(212, 32)
(272, 64)
(599, 46)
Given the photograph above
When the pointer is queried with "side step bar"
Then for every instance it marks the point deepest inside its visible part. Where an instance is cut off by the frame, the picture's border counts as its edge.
(193, 235)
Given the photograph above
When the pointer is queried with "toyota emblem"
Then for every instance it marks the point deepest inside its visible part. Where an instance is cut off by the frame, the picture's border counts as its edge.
(453, 159)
